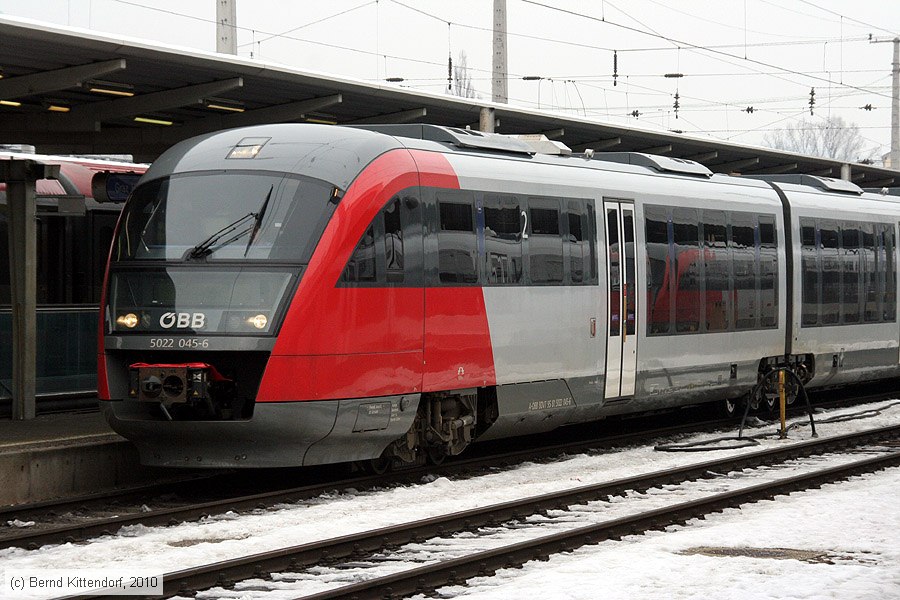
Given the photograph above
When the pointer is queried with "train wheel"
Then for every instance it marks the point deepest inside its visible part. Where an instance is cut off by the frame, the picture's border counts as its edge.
(377, 466)
(728, 408)
(435, 456)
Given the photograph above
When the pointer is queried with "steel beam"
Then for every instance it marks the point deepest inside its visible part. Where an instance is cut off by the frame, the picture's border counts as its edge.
(599, 144)
(775, 170)
(56, 80)
(404, 116)
(703, 156)
(149, 103)
(280, 113)
(664, 149)
(735, 165)
(553, 134)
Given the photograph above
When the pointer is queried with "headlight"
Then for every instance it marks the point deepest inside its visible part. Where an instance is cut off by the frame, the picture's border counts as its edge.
(130, 320)
(259, 321)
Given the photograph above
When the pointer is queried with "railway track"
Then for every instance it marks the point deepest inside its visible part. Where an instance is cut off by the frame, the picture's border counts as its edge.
(85, 527)
(104, 514)
(456, 570)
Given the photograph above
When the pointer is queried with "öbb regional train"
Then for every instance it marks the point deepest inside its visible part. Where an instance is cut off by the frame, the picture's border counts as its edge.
(304, 294)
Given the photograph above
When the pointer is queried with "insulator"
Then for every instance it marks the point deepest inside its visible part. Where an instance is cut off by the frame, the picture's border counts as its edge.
(615, 67)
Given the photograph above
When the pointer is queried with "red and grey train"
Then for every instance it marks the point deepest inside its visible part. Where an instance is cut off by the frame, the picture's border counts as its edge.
(298, 294)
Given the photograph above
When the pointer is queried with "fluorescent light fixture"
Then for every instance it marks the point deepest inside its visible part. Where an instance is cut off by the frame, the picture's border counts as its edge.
(10, 103)
(57, 106)
(320, 120)
(109, 88)
(152, 121)
(226, 105)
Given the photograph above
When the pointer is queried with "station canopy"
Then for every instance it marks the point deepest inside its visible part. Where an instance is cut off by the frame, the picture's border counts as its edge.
(65, 91)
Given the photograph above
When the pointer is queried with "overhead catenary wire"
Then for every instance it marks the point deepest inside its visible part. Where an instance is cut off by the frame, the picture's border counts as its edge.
(717, 50)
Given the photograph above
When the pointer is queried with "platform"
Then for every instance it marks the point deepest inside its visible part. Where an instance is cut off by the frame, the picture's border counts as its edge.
(59, 455)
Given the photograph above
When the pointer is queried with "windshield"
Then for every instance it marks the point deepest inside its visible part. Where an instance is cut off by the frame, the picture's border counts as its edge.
(226, 216)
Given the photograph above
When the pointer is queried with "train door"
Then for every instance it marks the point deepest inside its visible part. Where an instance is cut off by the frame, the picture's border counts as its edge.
(621, 341)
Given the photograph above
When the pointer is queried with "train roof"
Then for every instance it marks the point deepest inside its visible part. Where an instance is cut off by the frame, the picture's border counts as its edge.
(76, 172)
(337, 154)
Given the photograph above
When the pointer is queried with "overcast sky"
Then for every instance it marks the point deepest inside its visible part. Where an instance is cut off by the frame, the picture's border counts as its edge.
(733, 54)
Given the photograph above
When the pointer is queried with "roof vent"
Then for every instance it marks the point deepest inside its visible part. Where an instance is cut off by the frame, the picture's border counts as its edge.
(829, 184)
(663, 164)
(541, 144)
(463, 138)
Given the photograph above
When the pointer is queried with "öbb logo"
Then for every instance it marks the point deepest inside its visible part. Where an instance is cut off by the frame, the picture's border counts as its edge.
(182, 320)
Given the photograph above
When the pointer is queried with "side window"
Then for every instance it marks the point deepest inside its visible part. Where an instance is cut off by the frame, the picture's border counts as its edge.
(503, 239)
(873, 288)
(659, 297)
(545, 244)
(768, 271)
(890, 267)
(457, 244)
(393, 242)
(581, 242)
(851, 272)
(715, 270)
(390, 250)
(829, 248)
(688, 283)
(745, 270)
(362, 264)
(809, 273)
(578, 247)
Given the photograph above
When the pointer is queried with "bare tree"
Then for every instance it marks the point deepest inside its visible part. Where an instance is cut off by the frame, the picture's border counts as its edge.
(831, 137)
(462, 79)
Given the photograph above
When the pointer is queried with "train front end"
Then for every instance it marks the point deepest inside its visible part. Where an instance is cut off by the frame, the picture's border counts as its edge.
(208, 257)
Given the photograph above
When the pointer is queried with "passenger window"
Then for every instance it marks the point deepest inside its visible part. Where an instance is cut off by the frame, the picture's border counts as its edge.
(890, 267)
(362, 264)
(385, 254)
(873, 287)
(457, 248)
(393, 242)
(809, 272)
(768, 272)
(851, 273)
(715, 270)
(831, 272)
(659, 296)
(688, 296)
(578, 247)
(545, 244)
(503, 224)
(592, 275)
(745, 270)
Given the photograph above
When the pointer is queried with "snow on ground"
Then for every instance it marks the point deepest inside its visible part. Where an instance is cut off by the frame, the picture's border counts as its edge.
(851, 530)
(347, 511)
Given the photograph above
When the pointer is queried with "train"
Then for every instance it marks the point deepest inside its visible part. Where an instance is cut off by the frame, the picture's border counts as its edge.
(298, 294)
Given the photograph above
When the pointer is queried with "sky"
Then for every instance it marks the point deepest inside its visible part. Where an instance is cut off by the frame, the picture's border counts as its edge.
(732, 55)
(852, 529)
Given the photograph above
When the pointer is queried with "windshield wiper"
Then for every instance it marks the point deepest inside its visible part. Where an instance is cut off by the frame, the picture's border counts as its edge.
(258, 218)
(209, 245)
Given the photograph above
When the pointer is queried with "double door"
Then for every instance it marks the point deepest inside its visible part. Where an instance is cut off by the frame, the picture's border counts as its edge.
(622, 314)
